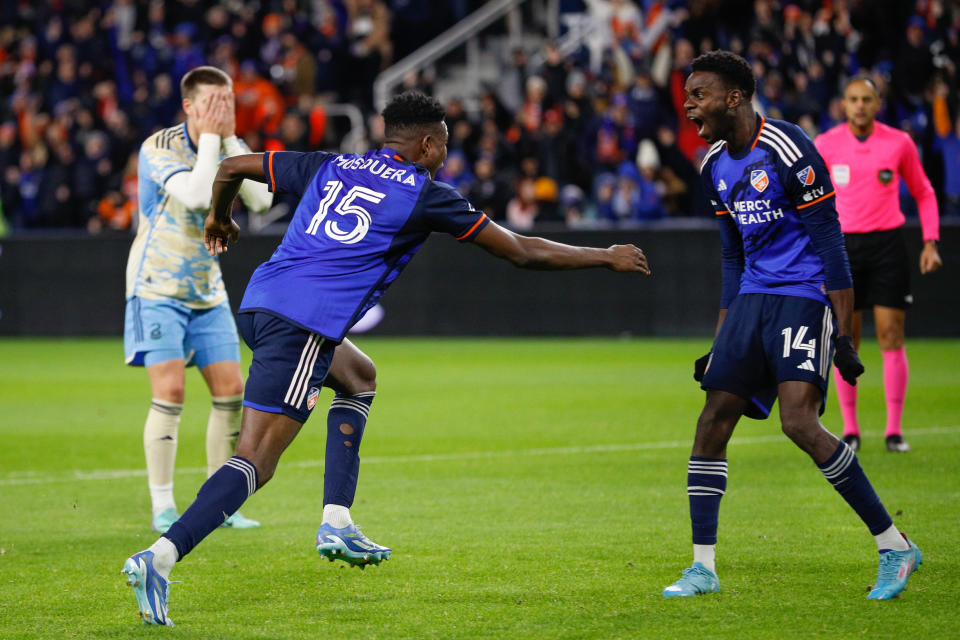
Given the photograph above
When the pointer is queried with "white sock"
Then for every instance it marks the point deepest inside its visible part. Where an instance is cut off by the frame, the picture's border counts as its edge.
(891, 539)
(337, 516)
(161, 496)
(164, 556)
(223, 429)
(160, 450)
(706, 554)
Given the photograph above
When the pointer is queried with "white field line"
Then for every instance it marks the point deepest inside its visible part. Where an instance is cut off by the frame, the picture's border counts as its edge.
(38, 477)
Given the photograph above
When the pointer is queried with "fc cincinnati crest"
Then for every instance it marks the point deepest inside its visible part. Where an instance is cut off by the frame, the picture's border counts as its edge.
(312, 398)
(759, 180)
(806, 176)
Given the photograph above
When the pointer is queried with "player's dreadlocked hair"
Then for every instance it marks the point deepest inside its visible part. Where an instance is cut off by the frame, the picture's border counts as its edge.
(734, 70)
(411, 110)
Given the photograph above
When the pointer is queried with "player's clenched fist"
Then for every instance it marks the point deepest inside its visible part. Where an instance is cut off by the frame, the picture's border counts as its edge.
(217, 235)
(627, 257)
(847, 361)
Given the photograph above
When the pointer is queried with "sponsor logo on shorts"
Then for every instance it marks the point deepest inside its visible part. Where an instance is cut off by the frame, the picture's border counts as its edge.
(312, 398)
(759, 180)
(155, 332)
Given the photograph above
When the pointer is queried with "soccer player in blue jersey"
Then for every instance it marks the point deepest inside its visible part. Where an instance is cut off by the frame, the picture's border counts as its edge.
(786, 305)
(360, 220)
(177, 309)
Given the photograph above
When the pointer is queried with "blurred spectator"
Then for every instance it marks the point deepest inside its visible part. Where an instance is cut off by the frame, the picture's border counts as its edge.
(522, 208)
(371, 51)
(948, 144)
(488, 192)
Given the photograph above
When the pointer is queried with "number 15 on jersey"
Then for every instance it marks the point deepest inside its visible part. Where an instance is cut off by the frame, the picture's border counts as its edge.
(346, 207)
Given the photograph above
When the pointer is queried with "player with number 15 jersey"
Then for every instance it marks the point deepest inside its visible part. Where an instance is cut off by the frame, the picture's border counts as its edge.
(360, 220)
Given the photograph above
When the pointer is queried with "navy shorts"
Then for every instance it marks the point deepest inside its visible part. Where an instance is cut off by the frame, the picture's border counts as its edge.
(768, 339)
(289, 365)
(880, 268)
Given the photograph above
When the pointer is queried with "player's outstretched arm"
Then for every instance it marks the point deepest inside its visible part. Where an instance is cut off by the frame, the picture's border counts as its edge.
(220, 229)
(529, 252)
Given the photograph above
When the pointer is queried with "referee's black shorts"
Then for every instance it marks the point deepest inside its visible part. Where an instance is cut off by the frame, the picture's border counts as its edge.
(880, 267)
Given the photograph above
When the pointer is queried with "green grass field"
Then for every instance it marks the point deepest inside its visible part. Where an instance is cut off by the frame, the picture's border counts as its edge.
(529, 489)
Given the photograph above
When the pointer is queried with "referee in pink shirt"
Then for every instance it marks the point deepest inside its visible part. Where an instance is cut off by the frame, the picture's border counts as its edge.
(866, 161)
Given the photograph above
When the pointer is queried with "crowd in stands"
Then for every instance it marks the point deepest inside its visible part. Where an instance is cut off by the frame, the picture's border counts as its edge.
(596, 138)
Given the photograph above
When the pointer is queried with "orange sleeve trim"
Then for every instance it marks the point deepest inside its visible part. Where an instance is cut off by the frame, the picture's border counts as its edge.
(273, 182)
(396, 157)
(476, 224)
(721, 213)
(810, 204)
(759, 130)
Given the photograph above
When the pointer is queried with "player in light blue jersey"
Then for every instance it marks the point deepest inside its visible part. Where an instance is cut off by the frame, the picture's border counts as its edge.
(786, 305)
(360, 220)
(177, 309)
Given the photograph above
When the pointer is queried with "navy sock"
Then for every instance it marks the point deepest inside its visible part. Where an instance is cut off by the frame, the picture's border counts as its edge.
(706, 484)
(219, 497)
(847, 477)
(345, 424)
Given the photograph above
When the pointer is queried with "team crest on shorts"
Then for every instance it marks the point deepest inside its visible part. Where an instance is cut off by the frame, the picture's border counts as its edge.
(806, 176)
(312, 397)
(759, 180)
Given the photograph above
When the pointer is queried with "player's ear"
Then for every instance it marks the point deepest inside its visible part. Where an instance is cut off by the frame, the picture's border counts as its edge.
(734, 98)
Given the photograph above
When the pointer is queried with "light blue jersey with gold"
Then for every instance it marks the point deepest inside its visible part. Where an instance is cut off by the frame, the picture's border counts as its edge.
(168, 259)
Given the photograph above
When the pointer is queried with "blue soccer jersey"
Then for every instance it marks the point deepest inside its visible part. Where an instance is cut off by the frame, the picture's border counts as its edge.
(779, 225)
(359, 222)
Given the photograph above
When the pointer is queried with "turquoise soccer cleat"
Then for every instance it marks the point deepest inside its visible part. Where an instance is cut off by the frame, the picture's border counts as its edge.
(150, 588)
(695, 581)
(350, 545)
(240, 521)
(895, 568)
(163, 520)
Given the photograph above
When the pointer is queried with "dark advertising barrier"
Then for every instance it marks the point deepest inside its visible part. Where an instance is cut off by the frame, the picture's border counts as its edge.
(74, 286)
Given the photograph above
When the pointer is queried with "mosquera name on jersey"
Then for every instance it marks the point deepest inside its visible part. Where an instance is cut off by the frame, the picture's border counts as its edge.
(360, 221)
(168, 258)
(775, 203)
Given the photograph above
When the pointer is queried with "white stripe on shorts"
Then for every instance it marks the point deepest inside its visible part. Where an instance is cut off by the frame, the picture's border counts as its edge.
(301, 376)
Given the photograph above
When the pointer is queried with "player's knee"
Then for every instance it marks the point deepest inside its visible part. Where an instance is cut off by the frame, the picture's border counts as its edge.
(363, 377)
(798, 425)
(890, 338)
(230, 388)
(367, 380)
(169, 392)
(712, 435)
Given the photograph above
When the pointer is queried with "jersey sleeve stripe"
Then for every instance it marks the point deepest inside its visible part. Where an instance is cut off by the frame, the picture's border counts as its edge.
(273, 182)
(476, 224)
(782, 151)
(722, 213)
(778, 133)
(809, 204)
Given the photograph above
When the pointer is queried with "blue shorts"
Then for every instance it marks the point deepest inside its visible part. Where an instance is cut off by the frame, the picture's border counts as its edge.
(289, 365)
(767, 339)
(160, 330)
